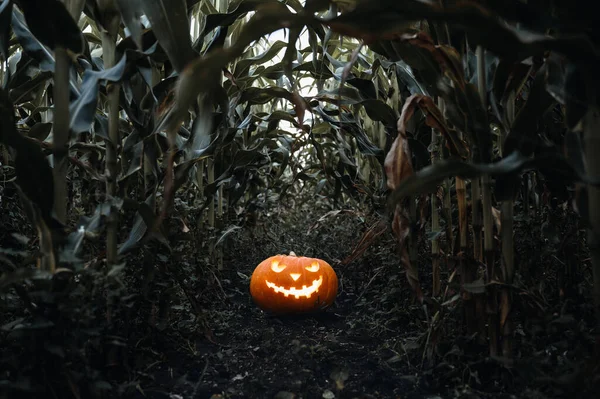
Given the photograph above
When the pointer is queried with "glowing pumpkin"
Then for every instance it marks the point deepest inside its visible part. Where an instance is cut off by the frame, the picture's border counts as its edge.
(293, 284)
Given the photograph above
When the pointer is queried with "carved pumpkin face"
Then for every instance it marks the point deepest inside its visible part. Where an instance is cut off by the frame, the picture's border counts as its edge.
(293, 284)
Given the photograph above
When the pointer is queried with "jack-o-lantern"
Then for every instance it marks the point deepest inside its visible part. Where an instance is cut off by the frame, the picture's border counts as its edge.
(293, 284)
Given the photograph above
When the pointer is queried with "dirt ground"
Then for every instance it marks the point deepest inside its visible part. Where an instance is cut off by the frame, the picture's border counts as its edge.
(374, 342)
(358, 348)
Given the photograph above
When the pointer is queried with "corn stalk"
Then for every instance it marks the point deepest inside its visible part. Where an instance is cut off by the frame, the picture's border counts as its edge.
(477, 222)
(508, 256)
(211, 205)
(200, 166)
(221, 220)
(435, 217)
(109, 40)
(488, 222)
(413, 239)
(61, 129)
(592, 143)
(61, 132)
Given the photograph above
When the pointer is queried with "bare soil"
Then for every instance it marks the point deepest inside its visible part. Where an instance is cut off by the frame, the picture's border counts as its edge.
(182, 328)
(373, 343)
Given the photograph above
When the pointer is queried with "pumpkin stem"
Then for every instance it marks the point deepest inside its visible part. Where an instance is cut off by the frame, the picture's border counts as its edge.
(292, 253)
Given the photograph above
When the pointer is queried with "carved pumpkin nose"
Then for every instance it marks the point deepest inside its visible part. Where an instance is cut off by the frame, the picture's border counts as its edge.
(295, 276)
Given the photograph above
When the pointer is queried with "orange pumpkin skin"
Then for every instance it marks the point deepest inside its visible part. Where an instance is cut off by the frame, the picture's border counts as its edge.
(293, 284)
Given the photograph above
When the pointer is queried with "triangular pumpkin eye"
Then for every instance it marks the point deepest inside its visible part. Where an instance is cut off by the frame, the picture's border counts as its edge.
(313, 268)
(276, 267)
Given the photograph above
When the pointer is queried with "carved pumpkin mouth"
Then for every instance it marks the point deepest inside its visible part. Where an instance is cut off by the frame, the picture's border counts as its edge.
(298, 292)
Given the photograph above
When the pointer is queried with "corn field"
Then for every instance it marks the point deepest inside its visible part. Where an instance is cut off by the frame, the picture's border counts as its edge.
(438, 154)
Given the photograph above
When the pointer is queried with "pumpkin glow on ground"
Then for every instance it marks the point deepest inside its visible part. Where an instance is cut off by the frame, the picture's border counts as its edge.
(369, 344)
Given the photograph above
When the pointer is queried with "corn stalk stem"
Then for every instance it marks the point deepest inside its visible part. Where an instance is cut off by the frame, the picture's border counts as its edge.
(148, 170)
(527, 195)
(477, 223)
(592, 145)
(112, 223)
(466, 276)
(488, 222)
(508, 256)
(435, 218)
(447, 212)
(221, 224)
(412, 239)
(200, 181)
(61, 132)
(211, 204)
(465, 271)
(412, 236)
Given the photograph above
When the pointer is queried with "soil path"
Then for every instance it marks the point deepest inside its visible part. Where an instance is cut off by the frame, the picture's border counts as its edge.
(356, 349)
